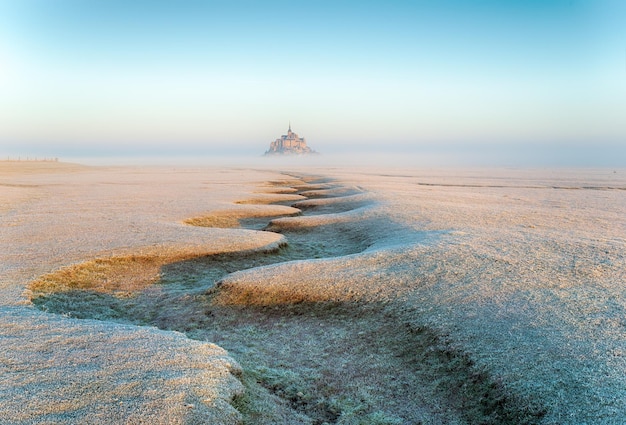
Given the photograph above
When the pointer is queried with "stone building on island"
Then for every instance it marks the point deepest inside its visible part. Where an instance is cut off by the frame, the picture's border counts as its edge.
(289, 144)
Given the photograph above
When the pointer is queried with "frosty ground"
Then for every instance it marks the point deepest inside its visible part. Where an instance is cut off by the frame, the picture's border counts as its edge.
(398, 296)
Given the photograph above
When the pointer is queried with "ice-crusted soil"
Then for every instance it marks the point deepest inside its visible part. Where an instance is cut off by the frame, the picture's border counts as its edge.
(397, 296)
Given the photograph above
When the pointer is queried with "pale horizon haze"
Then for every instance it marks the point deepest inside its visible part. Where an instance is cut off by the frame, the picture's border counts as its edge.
(529, 82)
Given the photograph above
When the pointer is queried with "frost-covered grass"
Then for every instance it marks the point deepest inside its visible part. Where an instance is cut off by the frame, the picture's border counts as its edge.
(306, 359)
(437, 297)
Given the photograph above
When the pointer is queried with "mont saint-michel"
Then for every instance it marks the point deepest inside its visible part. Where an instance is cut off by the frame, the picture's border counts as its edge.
(289, 144)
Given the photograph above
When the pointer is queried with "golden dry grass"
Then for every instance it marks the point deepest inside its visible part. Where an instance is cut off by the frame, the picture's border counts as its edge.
(232, 218)
(223, 220)
(264, 296)
(106, 275)
(271, 198)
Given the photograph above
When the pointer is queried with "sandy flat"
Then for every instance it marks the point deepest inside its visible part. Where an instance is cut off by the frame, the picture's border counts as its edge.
(513, 278)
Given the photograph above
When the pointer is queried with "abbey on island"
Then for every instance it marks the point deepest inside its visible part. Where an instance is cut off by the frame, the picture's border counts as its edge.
(289, 144)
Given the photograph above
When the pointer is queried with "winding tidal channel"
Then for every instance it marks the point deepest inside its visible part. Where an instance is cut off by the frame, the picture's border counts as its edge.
(331, 361)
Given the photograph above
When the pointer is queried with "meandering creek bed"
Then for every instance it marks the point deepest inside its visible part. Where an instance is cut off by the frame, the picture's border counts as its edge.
(346, 363)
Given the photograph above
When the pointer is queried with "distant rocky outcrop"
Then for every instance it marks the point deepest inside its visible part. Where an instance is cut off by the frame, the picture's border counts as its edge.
(289, 144)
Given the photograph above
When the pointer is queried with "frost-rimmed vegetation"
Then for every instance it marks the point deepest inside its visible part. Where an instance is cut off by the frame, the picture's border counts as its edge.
(392, 371)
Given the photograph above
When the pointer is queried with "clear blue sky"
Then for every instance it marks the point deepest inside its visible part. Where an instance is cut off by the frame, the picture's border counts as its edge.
(109, 77)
